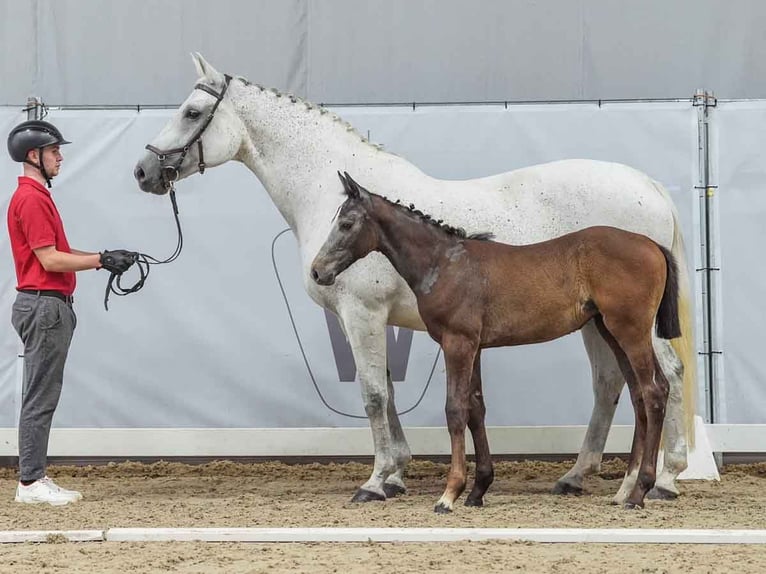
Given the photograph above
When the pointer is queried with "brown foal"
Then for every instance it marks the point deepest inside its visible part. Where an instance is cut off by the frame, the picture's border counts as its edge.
(474, 293)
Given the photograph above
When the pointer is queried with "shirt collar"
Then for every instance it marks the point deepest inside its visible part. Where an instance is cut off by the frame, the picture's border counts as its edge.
(24, 180)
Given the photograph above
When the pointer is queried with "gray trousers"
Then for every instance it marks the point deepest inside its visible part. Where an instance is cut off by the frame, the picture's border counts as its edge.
(45, 325)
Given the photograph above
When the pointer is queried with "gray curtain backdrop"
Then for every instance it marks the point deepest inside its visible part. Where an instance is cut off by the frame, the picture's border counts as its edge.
(113, 52)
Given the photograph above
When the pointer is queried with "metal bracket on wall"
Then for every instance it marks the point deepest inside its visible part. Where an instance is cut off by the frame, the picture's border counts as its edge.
(709, 270)
(36, 109)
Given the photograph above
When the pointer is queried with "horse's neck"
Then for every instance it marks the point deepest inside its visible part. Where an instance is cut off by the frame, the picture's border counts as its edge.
(413, 247)
(295, 149)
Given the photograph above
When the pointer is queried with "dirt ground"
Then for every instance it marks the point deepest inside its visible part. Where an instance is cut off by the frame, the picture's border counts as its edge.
(275, 494)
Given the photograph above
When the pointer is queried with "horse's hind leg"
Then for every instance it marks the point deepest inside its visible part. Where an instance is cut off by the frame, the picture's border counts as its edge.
(674, 429)
(608, 382)
(649, 401)
(485, 472)
(639, 431)
(654, 391)
(394, 484)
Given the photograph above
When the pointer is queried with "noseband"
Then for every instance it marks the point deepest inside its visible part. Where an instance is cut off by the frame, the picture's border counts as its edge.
(170, 170)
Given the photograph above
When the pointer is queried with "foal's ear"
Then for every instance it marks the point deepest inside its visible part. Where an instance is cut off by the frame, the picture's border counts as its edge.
(349, 185)
(355, 190)
(205, 70)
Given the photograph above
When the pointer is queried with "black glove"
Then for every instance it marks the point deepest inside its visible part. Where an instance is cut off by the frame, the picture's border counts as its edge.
(118, 261)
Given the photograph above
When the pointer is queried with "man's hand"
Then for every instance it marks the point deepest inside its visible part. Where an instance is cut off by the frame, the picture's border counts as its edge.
(118, 261)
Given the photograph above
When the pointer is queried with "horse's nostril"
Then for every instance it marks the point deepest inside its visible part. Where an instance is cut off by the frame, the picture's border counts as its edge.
(138, 173)
(314, 275)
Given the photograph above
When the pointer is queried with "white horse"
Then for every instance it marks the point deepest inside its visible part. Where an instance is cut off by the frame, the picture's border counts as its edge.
(296, 149)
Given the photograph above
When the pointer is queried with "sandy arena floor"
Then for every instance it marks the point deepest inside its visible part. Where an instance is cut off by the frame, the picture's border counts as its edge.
(275, 494)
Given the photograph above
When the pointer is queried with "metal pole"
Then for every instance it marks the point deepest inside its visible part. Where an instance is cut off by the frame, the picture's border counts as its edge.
(34, 108)
(705, 101)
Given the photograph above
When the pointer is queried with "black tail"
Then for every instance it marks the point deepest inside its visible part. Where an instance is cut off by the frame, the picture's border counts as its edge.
(668, 326)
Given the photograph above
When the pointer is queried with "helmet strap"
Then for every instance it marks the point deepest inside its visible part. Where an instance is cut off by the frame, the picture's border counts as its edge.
(40, 167)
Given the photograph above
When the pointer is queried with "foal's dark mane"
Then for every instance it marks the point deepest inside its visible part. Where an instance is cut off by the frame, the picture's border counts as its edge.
(448, 229)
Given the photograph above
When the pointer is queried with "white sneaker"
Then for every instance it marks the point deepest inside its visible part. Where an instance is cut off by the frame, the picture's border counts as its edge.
(41, 491)
(73, 494)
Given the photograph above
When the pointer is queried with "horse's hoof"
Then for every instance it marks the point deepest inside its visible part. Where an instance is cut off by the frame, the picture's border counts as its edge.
(393, 490)
(632, 506)
(564, 488)
(474, 501)
(363, 495)
(441, 508)
(659, 493)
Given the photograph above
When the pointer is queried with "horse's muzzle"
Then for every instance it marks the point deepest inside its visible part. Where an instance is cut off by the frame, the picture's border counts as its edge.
(147, 183)
(322, 278)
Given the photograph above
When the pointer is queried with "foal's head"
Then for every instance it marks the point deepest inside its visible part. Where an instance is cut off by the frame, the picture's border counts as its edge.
(350, 238)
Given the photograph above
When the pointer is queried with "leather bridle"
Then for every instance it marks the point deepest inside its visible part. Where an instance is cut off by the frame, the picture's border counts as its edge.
(170, 170)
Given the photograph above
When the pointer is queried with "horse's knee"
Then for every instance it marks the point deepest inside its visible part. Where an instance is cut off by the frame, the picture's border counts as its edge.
(375, 402)
(457, 417)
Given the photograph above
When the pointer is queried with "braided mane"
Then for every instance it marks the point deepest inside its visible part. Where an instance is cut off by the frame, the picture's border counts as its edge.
(448, 229)
(308, 106)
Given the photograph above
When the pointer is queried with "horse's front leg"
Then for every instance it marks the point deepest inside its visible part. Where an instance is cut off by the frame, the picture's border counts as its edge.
(394, 484)
(459, 354)
(608, 382)
(366, 333)
(485, 472)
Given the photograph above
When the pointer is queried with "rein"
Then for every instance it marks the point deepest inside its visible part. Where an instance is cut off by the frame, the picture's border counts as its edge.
(170, 173)
(144, 261)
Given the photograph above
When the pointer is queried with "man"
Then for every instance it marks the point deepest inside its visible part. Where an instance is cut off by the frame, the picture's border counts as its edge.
(42, 313)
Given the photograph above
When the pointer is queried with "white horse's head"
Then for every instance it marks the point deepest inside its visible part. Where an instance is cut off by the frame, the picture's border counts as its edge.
(204, 132)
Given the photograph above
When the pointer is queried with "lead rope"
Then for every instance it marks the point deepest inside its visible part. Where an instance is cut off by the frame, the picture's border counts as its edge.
(144, 261)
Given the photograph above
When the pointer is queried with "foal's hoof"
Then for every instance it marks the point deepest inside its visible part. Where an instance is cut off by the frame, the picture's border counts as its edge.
(474, 501)
(441, 508)
(633, 506)
(363, 495)
(564, 488)
(393, 490)
(659, 493)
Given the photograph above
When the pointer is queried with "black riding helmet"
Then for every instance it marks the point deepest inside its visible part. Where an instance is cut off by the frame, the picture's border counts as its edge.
(33, 134)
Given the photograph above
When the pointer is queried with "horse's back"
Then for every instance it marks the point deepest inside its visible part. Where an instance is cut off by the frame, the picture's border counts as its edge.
(522, 206)
(548, 200)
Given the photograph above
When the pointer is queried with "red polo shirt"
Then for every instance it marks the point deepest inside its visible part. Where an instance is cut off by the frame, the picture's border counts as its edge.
(34, 222)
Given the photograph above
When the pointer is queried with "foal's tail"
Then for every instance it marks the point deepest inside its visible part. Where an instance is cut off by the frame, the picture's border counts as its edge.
(668, 324)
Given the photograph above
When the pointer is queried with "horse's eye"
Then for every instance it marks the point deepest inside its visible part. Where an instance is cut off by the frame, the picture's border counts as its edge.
(192, 114)
(346, 225)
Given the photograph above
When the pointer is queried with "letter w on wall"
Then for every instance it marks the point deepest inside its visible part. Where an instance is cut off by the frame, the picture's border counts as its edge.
(397, 349)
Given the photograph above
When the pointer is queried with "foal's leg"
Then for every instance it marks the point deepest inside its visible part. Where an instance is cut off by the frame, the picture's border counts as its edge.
(485, 473)
(639, 429)
(674, 429)
(608, 381)
(459, 353)
(366, 332)
(654, 390)
(394, 484)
